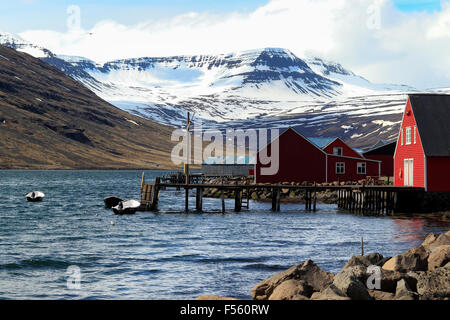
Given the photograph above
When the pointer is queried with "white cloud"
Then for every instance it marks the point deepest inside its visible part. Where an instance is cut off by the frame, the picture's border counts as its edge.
(410, 48)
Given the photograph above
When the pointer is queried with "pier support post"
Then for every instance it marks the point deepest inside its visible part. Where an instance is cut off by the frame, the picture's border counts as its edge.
(237, 200)
(222, 199)
(186, 200)
(199, 199)
(315, 198)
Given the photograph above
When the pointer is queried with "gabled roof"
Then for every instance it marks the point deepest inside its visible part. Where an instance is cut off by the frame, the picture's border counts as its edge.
(380, 148)
(432, 115)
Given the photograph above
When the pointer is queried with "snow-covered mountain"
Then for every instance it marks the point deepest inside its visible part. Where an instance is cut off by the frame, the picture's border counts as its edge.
(256, 88)
(19, 44)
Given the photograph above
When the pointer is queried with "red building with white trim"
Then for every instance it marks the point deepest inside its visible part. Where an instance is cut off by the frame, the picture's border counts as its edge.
(301, 160)
(422, 155)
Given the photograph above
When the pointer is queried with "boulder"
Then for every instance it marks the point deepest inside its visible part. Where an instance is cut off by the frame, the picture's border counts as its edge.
(213, 297)
(374, 258)
(381, 295)
(389, 280)
(404, 292)
(439, 257)
(357, 261)
(308, 272)
(292, 290)
(329, 293)
(433, 284)
(432, 241)
(347, 282)
(415, 259)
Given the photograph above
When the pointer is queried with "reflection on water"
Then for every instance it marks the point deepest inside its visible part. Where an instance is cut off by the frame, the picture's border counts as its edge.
(416, 229)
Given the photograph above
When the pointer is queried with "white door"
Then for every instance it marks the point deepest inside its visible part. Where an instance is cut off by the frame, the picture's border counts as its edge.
(409, 172)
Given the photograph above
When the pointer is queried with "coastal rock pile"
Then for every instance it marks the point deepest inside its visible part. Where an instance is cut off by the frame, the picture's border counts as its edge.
(420, 273)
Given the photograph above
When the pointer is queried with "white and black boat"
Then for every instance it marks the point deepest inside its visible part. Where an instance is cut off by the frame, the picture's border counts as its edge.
(127, 207)
(112, 202)
(35, 196)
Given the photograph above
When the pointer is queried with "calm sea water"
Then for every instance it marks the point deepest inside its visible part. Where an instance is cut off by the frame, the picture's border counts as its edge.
(165, 255)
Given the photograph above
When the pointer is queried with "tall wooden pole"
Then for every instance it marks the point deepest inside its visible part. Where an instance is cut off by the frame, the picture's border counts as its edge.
(188, 148)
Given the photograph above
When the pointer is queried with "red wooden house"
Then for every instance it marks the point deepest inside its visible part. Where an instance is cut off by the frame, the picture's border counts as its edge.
(301, 160)
(384, 152)
(422, 156)
(340, 148)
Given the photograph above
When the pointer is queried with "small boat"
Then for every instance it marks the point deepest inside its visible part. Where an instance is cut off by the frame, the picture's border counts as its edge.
(127, 207)
(112, 202)
(35, 196)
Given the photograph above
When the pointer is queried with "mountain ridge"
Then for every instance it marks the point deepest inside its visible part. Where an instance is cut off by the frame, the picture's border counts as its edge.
(50, 121)
(264, 87)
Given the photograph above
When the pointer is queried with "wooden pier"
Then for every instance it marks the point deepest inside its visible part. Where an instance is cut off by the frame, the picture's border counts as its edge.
(360, 199)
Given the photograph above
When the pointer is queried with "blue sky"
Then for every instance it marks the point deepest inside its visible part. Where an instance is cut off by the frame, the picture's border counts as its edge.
(51, 14)
(385, 41)
(48, 14)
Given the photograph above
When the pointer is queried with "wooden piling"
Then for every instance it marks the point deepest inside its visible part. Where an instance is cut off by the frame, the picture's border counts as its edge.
(315, 198)
(237, 200)
(199, 199)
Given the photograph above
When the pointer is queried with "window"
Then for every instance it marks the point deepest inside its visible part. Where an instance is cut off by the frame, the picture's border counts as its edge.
(401, 135)
(408, 135)
(337, 151)
(415, 134)
(361, 168)
(340, 167)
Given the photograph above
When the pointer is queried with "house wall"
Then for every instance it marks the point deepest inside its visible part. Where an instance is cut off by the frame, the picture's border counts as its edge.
(412, 151)
(387, 163)
(438, 174)
(299, 161)
(351, 171)
(346, 150)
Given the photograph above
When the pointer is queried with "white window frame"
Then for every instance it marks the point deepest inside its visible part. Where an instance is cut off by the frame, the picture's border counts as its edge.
(338, 165)
(361, 165)
(338, 151)
(408, 135)
(401, 135)
(415, 134)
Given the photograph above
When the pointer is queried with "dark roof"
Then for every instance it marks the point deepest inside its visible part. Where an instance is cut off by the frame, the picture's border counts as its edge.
(386, 149)
(432, 115)
(380, 143)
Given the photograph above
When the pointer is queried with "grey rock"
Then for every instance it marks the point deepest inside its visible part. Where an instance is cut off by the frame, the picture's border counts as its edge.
(308, 272)
(329, 293)
(347, 282)
(292, 290)
(404, 292)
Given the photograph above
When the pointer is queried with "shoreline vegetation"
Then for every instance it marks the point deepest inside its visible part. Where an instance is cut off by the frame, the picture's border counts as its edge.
(422, 273)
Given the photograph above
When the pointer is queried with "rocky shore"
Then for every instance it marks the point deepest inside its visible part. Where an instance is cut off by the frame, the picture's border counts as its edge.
(422, 273)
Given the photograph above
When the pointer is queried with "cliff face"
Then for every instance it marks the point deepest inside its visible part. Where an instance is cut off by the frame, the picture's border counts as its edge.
(50, 121)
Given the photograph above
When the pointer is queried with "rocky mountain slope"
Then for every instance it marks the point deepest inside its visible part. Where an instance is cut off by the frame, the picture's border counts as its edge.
(49, 120)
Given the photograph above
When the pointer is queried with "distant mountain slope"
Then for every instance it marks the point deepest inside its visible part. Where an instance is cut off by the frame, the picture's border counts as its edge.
(268, 87)
(48, 120)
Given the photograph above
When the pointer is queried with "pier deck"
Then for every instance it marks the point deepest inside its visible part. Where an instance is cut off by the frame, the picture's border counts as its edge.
(362, 199)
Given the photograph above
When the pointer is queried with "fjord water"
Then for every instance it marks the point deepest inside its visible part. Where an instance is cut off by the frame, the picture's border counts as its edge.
(165, 255)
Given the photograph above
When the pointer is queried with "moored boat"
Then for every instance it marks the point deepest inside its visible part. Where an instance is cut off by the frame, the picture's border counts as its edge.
(127, 207)
(112, 201)
(35, 196)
